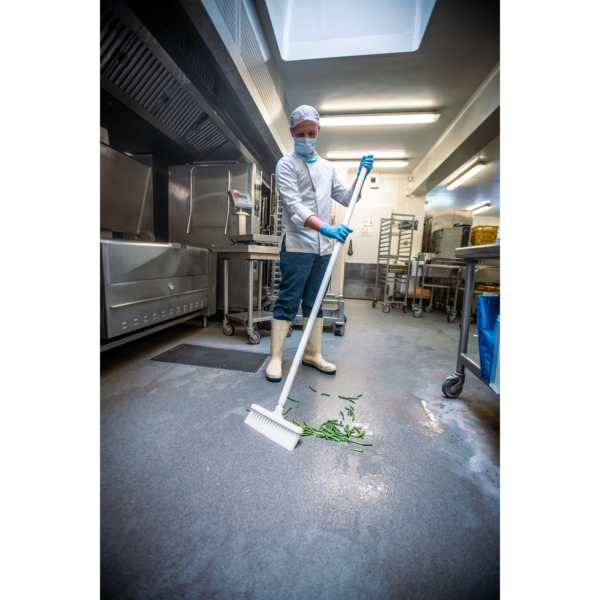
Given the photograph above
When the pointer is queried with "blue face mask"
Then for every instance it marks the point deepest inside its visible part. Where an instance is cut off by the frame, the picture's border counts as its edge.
(304, 146)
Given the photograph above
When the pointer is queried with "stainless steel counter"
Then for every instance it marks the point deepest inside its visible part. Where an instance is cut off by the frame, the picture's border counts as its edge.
(272, 240)
(479, 252)
(247, 252)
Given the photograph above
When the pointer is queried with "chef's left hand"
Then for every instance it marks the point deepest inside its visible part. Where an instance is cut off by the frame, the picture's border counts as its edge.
(366, 161)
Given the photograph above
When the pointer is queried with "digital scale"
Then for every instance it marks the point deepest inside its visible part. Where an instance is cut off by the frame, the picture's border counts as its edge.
(241, 200)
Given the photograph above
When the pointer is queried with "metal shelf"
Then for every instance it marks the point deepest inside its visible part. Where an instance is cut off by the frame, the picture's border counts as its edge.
(401, 228)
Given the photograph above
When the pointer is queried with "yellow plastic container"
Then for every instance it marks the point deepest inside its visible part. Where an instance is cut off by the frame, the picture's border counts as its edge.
(485, 229)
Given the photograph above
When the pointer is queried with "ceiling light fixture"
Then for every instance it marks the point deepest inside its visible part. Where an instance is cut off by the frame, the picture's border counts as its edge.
(378, 164)
(378, 119)
(376, 154)
(481, 208)
(404, 104)
(467, 175)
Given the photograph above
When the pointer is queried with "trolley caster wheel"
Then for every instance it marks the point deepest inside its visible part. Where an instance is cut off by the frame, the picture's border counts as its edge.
(428, 308)
(404, 309)
(452, 388)
(437, 305)
(374, 303)
(416, 314)
(385, 308)
(228, 329)
(393, 305)
(448, 310)
(451, 318)
(337, 330)
(260, 325)
(266, 325)
(254, 339)
(345, 319)
(290, 331)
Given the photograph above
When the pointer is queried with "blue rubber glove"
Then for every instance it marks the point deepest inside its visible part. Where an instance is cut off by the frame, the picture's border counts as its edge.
(366, 161)
(336, 232)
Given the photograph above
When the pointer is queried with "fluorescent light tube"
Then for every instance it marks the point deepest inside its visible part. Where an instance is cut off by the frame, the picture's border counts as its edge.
(487, 206)
(472, 171)
(389, 119)
(378, 164)
(376, 154)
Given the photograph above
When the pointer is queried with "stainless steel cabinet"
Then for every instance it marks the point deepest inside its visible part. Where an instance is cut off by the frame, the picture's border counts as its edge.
(200, 218)
(144, 284)
(445, 241)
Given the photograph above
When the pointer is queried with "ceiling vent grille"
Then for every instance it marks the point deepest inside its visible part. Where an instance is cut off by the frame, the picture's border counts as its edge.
(257, 67)
(229, 9)
(129, 64)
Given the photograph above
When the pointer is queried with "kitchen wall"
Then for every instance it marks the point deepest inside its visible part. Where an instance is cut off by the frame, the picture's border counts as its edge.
(377, 204)
(374, 204)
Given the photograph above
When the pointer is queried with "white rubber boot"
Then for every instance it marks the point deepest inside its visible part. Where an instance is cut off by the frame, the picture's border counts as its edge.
(312, 353)
(279, 331)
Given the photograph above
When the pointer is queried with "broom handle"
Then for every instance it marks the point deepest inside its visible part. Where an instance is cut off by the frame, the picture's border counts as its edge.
(315, 309)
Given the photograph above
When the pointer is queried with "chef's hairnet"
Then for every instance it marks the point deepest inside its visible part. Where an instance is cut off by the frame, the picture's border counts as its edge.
(304, 113)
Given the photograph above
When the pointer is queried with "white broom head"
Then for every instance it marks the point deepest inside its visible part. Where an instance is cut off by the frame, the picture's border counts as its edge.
(274, 426)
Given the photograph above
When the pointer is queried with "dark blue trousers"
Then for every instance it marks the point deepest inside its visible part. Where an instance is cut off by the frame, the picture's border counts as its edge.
(301, 277)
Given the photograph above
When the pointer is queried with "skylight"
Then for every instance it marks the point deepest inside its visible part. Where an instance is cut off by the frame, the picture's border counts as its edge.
(308, 29)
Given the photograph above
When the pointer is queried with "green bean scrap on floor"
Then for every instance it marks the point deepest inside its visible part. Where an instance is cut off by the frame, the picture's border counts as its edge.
(333, 430)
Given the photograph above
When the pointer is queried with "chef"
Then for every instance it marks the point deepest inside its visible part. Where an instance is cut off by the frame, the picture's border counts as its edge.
(306, 184)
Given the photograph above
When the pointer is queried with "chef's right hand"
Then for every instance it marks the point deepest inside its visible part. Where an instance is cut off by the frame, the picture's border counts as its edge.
(336, 232)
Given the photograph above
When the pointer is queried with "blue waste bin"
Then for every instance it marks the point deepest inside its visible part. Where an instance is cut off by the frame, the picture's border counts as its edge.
(488, 310)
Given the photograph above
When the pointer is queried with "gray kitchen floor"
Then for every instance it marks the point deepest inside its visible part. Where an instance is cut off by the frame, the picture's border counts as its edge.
(195, 504)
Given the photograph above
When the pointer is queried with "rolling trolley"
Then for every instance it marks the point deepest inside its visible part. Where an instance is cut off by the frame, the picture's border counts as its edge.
(445, 269)
(250, 253)
(453, 386)
(394, 258)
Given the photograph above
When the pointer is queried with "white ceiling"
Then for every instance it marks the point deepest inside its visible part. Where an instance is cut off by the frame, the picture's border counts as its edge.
(475, 191)
(460, 47)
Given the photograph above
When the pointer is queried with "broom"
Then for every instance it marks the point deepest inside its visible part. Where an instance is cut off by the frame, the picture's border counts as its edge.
(272, 424)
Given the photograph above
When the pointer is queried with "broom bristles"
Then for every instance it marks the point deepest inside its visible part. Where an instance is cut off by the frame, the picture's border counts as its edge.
(273, 426)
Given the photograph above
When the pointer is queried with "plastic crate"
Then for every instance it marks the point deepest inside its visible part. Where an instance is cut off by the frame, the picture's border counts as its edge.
(486, 236)
(478, 240)
(485, 229)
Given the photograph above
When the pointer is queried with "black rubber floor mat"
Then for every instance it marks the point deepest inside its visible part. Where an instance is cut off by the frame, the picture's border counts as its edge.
(214, 358)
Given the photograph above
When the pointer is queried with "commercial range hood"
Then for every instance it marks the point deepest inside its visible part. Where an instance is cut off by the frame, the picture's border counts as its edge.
(173, 87)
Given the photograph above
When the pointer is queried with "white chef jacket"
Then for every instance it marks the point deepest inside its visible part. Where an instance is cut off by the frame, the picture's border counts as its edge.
(306, 189)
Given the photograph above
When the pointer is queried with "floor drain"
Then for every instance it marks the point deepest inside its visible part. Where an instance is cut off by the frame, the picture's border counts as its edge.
(214, 358)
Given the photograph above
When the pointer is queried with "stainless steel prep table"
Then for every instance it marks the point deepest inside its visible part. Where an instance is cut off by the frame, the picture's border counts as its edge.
(454, 383)
(437, 271)
(249, 253)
